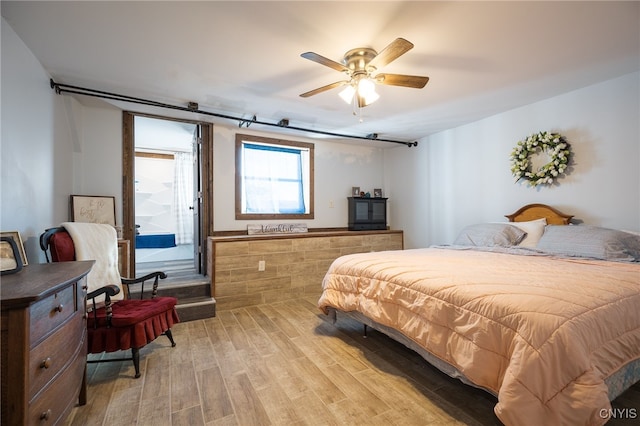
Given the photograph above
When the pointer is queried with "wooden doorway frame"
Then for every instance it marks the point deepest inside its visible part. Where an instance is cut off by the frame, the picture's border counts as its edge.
(128, 187)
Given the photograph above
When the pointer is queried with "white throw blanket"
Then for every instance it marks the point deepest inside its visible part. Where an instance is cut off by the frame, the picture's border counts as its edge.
(99, 242)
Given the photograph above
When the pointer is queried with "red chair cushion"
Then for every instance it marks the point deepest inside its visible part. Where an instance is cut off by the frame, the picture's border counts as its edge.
(134, 324)
(130, 312)
(61, 247)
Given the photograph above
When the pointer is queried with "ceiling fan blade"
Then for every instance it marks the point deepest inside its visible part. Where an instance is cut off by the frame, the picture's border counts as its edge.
(414, 81)
(323, 88)
(325, 61)
(394, 50)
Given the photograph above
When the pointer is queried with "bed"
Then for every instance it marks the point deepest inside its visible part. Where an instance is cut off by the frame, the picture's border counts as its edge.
(538, 312)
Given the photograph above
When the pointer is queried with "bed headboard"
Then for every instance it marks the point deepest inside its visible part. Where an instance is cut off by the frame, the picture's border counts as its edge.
(539, 211)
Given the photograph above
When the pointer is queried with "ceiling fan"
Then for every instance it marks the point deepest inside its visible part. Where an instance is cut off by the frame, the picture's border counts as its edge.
(360, 65)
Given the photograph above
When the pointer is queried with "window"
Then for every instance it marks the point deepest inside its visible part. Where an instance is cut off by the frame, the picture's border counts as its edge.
(274, 178)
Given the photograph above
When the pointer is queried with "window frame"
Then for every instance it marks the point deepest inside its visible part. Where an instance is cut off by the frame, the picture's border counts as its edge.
(242, 138)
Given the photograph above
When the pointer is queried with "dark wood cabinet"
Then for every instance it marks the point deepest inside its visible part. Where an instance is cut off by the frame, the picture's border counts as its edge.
(367, 213)
(43, 334)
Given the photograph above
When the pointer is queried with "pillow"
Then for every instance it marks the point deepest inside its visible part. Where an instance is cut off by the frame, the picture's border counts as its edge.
(534, 230)
(590, 241)
(490, 235)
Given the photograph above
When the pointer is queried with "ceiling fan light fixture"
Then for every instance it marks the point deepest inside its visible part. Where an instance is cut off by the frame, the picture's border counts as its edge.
(347, 93)
(366, 87)
(363, 89)
(371, 98)
(367, 91)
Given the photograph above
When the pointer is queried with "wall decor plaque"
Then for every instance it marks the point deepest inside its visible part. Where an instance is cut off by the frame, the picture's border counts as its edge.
(277, 228)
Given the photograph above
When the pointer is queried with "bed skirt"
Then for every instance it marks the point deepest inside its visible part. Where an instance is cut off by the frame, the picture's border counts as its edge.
(446, 368)
(617, 383)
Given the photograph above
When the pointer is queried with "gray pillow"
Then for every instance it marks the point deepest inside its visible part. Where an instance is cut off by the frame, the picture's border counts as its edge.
(490, 235)
(590, 241)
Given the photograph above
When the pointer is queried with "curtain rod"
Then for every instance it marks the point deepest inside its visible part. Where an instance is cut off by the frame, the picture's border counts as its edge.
(66, 88)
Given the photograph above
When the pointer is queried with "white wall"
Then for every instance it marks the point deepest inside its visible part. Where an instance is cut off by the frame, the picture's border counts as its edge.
(36, 147)
(338, 167)
(462, 176)
(51, 147)
(98, 158)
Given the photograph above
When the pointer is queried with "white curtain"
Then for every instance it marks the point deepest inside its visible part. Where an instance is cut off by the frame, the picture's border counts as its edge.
(272, 178)
(183, 197)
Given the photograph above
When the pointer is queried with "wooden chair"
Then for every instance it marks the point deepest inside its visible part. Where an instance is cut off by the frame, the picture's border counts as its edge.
(112, 324)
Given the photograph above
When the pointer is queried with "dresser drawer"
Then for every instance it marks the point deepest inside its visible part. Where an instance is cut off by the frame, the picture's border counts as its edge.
(52, 355)
(55, 402)
(47, 314)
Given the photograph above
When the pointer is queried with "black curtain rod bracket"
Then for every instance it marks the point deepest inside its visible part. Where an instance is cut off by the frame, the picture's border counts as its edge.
(61, 88)
(247, 123)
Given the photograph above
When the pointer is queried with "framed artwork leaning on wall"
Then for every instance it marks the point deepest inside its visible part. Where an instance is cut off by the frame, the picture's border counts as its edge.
(93, 209)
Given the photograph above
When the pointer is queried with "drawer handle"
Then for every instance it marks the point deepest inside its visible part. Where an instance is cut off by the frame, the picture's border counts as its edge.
(46, 363)
(46, 415)
(58, 308)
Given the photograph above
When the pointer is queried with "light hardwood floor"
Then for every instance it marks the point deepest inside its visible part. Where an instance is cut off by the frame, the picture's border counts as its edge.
(284, 364)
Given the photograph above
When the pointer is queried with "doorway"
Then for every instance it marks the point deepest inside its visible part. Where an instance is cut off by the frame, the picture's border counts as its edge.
(165, 196)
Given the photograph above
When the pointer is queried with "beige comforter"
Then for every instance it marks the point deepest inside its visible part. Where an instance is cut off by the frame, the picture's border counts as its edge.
(540, 332)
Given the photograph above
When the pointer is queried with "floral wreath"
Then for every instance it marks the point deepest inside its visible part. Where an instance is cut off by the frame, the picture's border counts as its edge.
(554, 145)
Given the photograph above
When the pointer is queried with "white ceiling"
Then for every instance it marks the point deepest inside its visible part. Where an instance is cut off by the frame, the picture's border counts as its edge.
(243, 58)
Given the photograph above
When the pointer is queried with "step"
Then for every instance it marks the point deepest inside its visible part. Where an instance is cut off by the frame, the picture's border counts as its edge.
(196, 308)
(194, 298)
(184, 291)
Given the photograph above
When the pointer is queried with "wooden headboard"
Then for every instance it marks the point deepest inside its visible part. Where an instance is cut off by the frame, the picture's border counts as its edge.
(539, 211)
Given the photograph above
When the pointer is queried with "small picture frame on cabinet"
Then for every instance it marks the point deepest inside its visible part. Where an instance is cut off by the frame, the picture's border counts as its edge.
(17, 239)
(355, 191)
(10, 260)
(377, 193)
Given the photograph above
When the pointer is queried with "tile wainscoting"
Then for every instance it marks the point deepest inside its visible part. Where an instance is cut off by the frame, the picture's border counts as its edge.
(294, 264)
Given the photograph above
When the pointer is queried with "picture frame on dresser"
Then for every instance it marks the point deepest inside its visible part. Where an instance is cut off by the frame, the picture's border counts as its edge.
(17, 239)
(93, 209)
(10, 261)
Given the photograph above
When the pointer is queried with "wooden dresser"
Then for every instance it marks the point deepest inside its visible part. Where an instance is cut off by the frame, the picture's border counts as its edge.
(44, 347)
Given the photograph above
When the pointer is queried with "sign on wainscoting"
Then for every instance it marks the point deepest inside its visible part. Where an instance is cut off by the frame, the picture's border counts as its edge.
(277, 228)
